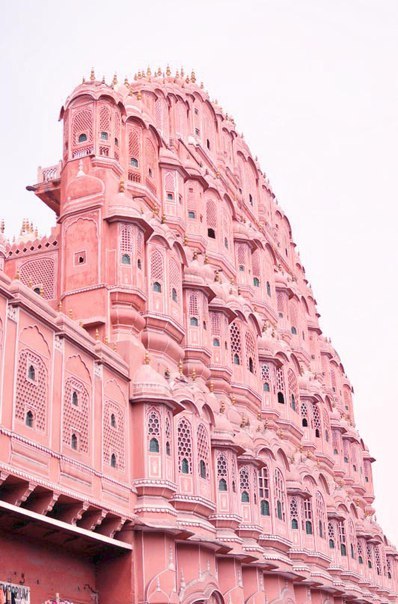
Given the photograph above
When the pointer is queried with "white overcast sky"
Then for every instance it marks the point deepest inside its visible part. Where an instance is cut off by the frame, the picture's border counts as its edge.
(313, 85)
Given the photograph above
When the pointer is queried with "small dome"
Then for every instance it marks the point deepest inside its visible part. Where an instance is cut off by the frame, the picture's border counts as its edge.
(84, 185)
(149, 383)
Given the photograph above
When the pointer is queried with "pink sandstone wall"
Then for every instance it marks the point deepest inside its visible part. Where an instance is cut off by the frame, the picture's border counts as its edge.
(174, 426)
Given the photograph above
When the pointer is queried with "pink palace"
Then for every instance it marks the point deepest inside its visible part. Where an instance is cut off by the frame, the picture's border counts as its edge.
(174, 426)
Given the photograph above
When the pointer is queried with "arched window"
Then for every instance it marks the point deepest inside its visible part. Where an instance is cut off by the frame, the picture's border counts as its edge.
(191, 214)
(293, 403)
(226, 242)
(281, 398)
(104, 136)
(266, 387)
(75, 398)
(251, 365)
(268, 288)
(157, 287)
(31, 373)
(342, 536)
(216, 342)
(126, 259)
(134, 162)
(264, 507)
(294, 523)
(202, 469)
(304, 422)
(222, 484)
(174, 295)
(29, 419)
(73, 441)
(193, 321)
(113, 420)
(256, 282)
(222, 472)
(113, 460)
(184, 466)
(168, 448)
(154, 445)
(211, 233)
(245, 497)
(37, 290)
(293, 330)
(308, 527)
(236, 359)
(320, 514)
(82, 138)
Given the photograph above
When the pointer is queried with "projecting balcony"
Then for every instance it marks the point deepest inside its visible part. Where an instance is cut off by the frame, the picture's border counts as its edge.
(48, 186)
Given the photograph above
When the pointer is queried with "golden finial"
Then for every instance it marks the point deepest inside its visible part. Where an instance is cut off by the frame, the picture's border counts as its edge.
(185, 240)
(193, 374)
(187, 80)
(36, 232)
(148, 72)
(126, 82)
(60, 306)
(103, 79)
(201, 85)
(182, 72)
(163, 220)
(2, 225)
(83, 80)
(193, 77)
(114, 81)
(195, 255)
(92, 75)
(211, 386)
(146, 358)
(96, 334)
(139, 95)
(41, 291)
(131, 91)
(233, 399)
(121, 186)
(168, 72)
(30, 282)
(114, 347)
(106, 341)
(31, 227)
(17, 275)
(177, 74)
(217, 276)
(139, 75)
(206, 260)
(135, 77)
(70, 313)
(222, 406)
(180, 367)
(159, 72)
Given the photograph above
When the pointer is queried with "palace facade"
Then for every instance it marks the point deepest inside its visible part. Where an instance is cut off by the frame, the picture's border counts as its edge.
(175, 428)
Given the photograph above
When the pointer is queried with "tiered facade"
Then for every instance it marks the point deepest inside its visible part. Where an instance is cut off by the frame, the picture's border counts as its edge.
(174, 426)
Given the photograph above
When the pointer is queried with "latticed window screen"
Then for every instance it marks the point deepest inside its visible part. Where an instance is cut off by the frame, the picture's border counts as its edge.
(235, 340)
(105, 119)
(157, 266)
(82, 122)
(184, 434)
(215, 323)
(150, 155)
(203, 450)
(331, 535)
(320, 514)
(369, 554)
(342, 537)
(377, 558)
(134, 141)
(175, 279)
(153, 423)
(280, 380)
(316, 418)
(170, 183)
(244, 479)
(31, 395)
(280, 496)
(222, 466)
(126, 239)
(211, 214)
(251, 354)
(307, 511)
(194, 306)
(114, 440)
(76, 416)
(294, 513)
(40, 273)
